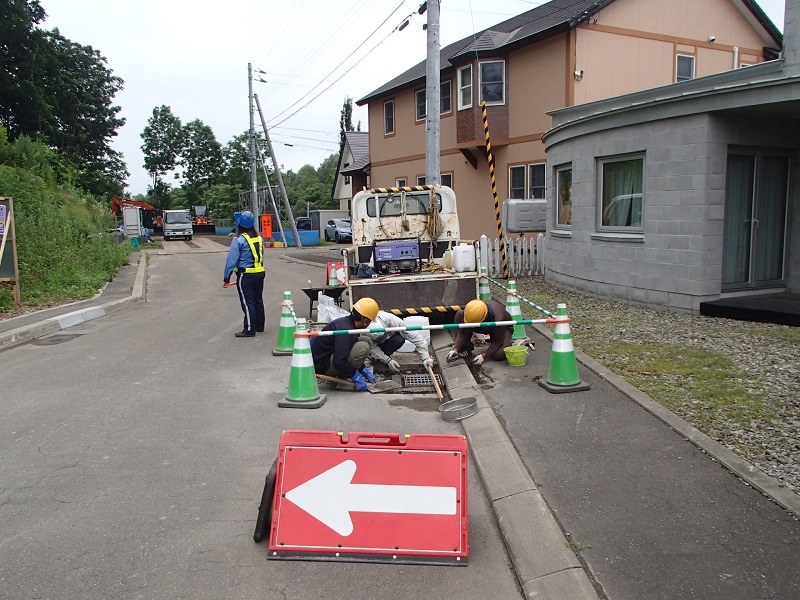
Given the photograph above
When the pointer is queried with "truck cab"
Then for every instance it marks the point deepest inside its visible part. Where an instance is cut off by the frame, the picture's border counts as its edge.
(177, 224)
(401, 241)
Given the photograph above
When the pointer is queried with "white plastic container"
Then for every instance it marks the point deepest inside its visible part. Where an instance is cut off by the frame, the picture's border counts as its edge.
(464, 258)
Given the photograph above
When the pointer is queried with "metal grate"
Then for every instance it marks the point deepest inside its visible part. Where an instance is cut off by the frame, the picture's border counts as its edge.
(421, 380)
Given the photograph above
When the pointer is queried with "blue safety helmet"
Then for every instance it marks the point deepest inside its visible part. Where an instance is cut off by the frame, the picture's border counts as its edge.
(244, 219)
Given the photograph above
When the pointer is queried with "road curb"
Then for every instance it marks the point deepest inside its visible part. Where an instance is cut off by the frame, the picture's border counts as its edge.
(749, 473)
(28, 333)
(544, 565)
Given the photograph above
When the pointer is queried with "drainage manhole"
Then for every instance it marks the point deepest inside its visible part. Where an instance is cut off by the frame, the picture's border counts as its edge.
(419, 381)
(52, 340)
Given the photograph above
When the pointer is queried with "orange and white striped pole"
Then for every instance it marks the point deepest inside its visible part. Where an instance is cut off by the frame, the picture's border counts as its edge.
(494, 191)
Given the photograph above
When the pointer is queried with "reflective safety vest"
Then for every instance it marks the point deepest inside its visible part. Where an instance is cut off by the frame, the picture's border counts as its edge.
(256, 245)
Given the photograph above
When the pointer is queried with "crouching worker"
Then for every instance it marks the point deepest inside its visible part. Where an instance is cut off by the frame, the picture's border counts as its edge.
(386, 344)
(479, 311)
(343, 356)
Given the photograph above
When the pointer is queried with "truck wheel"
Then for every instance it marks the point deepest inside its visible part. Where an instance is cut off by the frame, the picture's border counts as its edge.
(189, 238)
(265, 508)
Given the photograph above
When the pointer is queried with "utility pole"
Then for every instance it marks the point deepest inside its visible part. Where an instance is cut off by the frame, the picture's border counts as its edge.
(432, 97)
(253, 172)
(286, 204)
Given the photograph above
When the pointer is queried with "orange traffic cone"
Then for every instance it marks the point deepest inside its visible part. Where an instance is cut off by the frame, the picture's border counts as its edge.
(303, 391)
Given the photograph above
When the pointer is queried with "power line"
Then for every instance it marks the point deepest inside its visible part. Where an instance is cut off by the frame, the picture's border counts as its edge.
(341, 76)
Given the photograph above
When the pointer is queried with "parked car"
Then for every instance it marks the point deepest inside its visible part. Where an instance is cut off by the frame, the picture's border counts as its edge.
(338, 230)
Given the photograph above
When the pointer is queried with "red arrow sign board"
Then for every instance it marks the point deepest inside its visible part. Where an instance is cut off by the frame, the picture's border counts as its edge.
(370, 497)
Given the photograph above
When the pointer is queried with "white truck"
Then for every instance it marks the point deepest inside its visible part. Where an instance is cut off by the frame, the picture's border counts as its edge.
(177, 224)
(407, 253)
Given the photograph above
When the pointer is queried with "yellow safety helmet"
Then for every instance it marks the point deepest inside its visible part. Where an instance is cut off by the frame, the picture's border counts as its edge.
(367, 307)
(475, 311)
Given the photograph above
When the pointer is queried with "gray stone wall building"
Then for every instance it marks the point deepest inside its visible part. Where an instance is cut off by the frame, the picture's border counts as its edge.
(683, 194)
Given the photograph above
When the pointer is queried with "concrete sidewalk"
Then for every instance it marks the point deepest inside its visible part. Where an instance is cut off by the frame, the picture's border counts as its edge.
(128, 288)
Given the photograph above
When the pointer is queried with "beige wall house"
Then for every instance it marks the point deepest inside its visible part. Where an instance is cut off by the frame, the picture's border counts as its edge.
(560, 54)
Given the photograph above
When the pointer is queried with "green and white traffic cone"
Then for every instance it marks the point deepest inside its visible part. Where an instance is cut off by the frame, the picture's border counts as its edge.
(512, 306)
(333, 278)
(563, 375)
(303, 391)
(285, 346)
(484, 293)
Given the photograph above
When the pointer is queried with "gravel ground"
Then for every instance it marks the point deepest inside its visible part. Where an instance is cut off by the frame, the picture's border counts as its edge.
(737, 381)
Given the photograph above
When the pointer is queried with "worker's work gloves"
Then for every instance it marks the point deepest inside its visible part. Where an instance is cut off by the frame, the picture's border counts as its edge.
(368, 375)
(478, 360)
(393, 365)
(428, 363)
(361, 385)
(453, 356)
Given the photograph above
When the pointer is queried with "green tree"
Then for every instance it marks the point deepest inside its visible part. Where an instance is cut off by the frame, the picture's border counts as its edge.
(163, 143)
(346, 120)
(21, 100)
(237, 161)
(59, 92)
(201, 158)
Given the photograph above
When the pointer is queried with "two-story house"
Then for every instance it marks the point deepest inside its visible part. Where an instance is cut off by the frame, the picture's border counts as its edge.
(560, 54)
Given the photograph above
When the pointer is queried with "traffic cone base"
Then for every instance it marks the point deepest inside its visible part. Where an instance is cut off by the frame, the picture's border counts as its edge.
(303, 391)
(563, 375)
(285, 344)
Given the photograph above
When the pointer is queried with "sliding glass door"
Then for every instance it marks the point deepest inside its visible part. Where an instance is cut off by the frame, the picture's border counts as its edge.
(755, 219)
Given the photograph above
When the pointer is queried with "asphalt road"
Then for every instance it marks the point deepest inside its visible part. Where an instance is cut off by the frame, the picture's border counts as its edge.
(135, 448)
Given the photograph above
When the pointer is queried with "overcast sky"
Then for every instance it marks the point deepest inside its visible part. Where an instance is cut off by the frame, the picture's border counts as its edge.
(193, 56)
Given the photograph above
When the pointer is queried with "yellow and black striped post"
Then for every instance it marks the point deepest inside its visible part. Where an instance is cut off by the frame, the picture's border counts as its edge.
(494, 191)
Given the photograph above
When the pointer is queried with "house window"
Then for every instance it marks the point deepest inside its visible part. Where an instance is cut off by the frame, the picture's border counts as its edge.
(447, 179)
(420, 102)
(621, 193)
(526, 181)
(465, 87)
(493, 82)
(445, 97)
(388, 117)
(684, 68)
(564, 196)
(400, 182)
(516, 182)
(421, 180)
(536, 181)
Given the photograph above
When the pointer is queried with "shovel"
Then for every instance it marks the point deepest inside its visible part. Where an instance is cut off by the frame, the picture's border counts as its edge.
(372, 388)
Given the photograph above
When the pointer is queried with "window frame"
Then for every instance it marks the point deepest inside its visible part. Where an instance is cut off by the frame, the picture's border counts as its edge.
(502, 83)
(677, 61)
(601, 208)
(462, 87)
(529, 183)
(418, 118)
(523, 187)
(449, 84)
(420, 179)
(386, 131)
(443, 175)
(559, 198)
(400, 179)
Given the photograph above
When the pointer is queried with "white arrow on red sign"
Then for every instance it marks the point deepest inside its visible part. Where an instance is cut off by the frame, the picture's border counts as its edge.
(330, 497)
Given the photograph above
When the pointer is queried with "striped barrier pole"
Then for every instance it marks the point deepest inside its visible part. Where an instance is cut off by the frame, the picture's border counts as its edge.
(522, 299)
(433, 327)
(494, 190)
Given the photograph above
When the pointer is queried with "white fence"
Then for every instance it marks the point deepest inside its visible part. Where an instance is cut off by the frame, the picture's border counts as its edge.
(525, 256)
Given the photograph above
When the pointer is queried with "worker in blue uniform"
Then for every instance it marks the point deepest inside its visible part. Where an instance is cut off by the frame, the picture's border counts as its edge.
(246, 259)
(343, 356)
